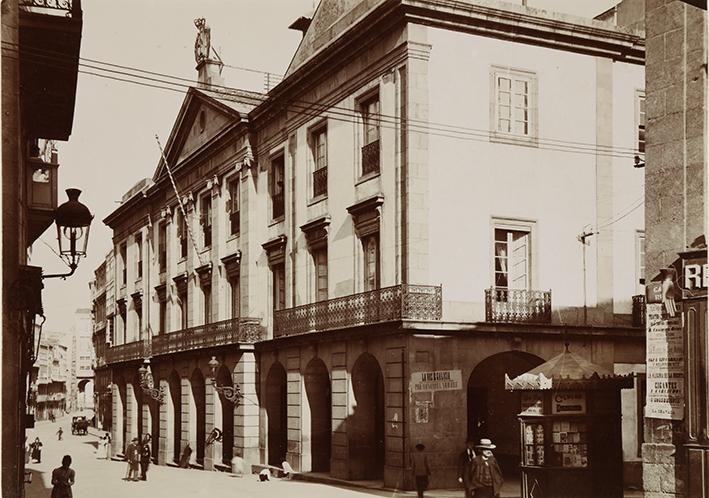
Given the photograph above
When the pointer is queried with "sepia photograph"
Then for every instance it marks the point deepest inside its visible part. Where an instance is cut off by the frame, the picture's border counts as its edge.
(351, 248)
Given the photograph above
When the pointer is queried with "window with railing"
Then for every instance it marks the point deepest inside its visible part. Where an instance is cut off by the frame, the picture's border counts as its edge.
(234, 208)
(206, 219)
(276, 186)
(512, 258)
(370, 150)
(319, 152)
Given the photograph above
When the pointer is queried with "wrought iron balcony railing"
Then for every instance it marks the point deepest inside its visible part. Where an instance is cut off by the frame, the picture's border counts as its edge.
(320, 182)
(370, 158)
(128, 352)
(517, 306)
(224, 333)
(639, 311)
(399, 302)
(55, 5)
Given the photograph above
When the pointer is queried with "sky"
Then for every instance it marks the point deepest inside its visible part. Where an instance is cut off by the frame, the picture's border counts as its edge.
(112, 144)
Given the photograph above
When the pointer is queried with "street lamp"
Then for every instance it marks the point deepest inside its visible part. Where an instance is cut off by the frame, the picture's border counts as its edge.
(230, 393)
(73, 221)
(147, 384)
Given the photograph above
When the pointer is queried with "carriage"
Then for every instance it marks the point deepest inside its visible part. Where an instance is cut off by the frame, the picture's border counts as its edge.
(79, 425)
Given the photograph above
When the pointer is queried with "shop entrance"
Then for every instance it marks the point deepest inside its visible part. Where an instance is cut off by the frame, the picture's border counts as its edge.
(317, 389)
(277, 414)
(365, 427)
(492, 411)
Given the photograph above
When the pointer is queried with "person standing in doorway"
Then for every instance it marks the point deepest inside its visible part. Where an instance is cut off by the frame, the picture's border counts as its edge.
(420, 469)
(145, 454)
(485, 474)
(465, 460)
(63, 479)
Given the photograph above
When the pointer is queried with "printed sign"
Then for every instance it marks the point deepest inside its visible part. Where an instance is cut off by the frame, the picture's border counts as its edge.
(439, 380)
(568, 402)
(665, 365)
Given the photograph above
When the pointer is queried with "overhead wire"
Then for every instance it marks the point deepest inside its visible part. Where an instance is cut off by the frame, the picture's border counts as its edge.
(309, 109)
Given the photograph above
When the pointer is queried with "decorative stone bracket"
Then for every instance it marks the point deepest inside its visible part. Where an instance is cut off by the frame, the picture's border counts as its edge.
(232, 263)
(276, 250)
(181, 282)
(204, 273)
(366, 215)
(316, 231)
(137, 297)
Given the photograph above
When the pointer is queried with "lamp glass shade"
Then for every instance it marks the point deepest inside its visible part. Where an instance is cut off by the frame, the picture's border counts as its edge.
(73, 221)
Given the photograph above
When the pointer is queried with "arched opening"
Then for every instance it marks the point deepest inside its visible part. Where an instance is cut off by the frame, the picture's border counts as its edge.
(317, 390)
(277, 414)
(365, 427)
(492, 411)
(174, 429)
(197, 416)
(85, 395)
(226, 421)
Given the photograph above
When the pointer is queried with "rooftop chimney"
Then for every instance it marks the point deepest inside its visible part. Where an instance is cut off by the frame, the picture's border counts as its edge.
(209, 69)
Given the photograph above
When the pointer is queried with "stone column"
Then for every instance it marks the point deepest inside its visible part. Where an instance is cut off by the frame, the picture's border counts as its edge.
(117, 426)
(166, 425)
(132, 416)
(294, 397)
(246, 415)
(212, 452)
(187, 417)
(395, 460)
(339, 466)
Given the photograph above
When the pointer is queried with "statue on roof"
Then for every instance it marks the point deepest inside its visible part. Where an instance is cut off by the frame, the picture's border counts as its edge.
(202, 44)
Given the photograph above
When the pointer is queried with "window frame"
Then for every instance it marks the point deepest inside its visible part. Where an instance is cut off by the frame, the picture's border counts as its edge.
(364, 102)
(640, 268)
(182, 235)
(320, 293)
(139, 259)
(205, 218)
(514, 74)
(516, 225)
(640, 120)
(234, 282)
(317, 163)
(278, 282)
(277, 162)
(233, 186)
(366, 276)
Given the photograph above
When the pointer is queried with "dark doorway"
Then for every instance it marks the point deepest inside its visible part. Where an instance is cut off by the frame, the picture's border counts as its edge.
(317, 389)
(198, 424)
(365, 427)
(154, 428)
(492, 411)
(176, 402)
(227, 418)
(277, 414)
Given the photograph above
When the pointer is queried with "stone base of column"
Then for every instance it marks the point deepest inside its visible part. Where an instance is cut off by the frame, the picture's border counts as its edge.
(663, 471)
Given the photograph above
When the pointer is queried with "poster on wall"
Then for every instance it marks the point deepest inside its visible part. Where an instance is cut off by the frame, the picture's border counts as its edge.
(665, 364)
(438, 380)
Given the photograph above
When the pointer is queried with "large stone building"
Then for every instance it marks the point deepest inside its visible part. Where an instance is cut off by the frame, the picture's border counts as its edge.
(50, 384)
(83, 360)
(37, 106)
(103, 304)
(435, 190)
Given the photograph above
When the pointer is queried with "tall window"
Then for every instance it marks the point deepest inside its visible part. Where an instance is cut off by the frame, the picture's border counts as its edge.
(162, 315)
(512, 256)
(370, 150)
(207, 291)
(162, 247)
(370, 244)
(276, 186)
(182, 235)
(640, 260)
(640, 120)
(320, 263)
(279, 286)
(124, 263)
(319, 150)
(139, 319)
(235, 296)
(513, 104)
(183, 297)
(206, 219)
(234, 213)
(139, 256)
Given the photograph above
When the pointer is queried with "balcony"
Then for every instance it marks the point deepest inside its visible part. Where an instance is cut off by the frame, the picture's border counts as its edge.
(399, 302)
(370, 158)
(517, 306)
(224, 333)
(128, 352)
(639, 311)
(320, 182)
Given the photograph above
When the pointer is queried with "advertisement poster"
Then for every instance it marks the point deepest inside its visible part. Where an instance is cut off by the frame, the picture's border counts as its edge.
(665, 364)
(439, 380)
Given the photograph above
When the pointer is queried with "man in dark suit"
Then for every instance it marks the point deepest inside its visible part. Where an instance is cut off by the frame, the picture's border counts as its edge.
(145, 454)
(464, 461)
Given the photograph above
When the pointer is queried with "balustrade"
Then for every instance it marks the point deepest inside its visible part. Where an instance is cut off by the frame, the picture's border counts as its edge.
(517, 306)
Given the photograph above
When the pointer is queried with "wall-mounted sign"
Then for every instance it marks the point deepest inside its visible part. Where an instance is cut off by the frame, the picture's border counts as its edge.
(421, 412)
(568, 403)
(665, 364)
(438, 380)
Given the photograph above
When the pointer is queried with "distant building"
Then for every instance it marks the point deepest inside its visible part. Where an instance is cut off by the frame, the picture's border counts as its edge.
(82, 362)
(101, 289)
(50, 387)
(445, 193)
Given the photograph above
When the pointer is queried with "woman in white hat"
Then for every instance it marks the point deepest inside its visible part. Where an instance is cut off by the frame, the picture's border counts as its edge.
(485, 474)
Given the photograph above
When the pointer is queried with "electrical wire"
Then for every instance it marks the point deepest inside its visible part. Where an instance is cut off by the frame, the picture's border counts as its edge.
(335, 111)
(55, 252)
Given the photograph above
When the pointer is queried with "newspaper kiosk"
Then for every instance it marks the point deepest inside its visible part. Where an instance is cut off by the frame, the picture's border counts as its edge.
(570, 429)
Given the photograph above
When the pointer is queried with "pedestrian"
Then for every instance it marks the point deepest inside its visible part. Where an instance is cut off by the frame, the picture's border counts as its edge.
(101, 448)
(420, 469)
(28, 451)
(59, 434)
(145, 454)
(37, 450)
(132, 455)
(62, 479)
(485, 474)
(109, 445)
(464, 461)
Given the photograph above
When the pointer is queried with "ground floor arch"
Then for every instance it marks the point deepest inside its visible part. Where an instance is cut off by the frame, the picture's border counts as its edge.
(365, 426)
(277, 414)
(318, 393)
(224, 417)
(492, 411)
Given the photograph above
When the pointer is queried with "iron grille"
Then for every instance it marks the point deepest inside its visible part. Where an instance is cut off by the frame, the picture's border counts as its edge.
(320, 182)
(278, 205)
(223, 333)
(48, 4)
(128, 352)
(370, 158)
(639, 311)
(399, 302)
(517, 306)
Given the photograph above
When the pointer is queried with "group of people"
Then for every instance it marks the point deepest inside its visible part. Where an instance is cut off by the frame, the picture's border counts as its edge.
(478, 470)
(138, 455)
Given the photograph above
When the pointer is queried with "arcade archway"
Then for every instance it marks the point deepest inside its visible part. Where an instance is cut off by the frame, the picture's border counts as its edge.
(224, 416)
(277, 414)
(365, 427)
(317, 390)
